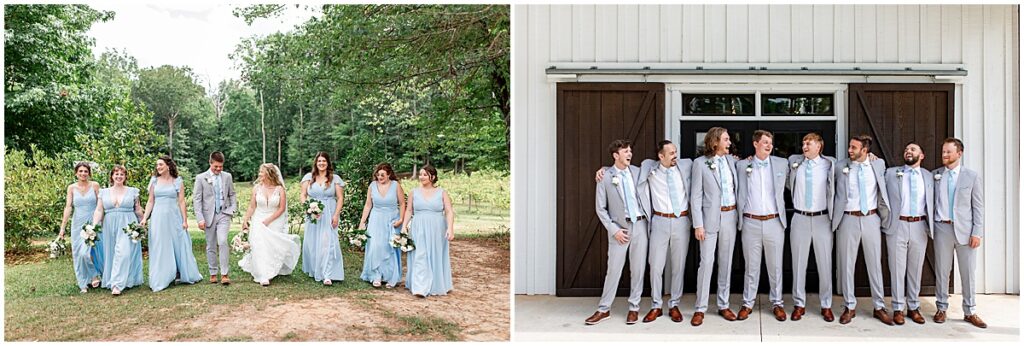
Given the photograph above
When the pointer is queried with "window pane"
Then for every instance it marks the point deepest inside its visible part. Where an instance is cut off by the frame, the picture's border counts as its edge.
(705, 104)
(797, 105)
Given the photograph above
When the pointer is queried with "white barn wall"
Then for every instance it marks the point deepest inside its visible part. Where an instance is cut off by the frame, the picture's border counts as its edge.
(984, 39)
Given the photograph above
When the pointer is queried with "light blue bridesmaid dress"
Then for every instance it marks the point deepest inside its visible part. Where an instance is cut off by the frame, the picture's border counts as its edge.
(123, 267)
(170, 247)
(381, 261)
(321, 253)
(88, 261)
(430, 269)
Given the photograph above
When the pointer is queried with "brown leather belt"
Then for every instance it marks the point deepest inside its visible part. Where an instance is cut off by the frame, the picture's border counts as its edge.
(672, 216)
(948, 222)
(638, 218)
(729, 208)
(858, 213)
(809, 213)
(912, 218)
(760, 217)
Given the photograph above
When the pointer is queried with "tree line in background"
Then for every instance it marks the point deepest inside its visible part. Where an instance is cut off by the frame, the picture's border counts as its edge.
(405, 84)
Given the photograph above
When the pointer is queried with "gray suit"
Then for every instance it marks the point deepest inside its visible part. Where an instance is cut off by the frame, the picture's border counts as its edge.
(669, 236)
(611, 210)
(968, 208)
(719, 229)
(766, 236)
(204, 200)
(817, 230)
(907, 242)
(860, 230)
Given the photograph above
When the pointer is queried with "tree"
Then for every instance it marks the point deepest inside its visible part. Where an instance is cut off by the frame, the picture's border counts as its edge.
(166, 91)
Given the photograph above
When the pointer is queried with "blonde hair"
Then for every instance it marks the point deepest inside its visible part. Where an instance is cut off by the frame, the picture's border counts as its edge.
(270, 178)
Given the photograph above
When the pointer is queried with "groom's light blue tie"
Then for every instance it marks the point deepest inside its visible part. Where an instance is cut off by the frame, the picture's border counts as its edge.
(672, 189)
(861, 174)
(913, 192)
(629, 196)
(809, 185)
(950, 189)
(216, 192)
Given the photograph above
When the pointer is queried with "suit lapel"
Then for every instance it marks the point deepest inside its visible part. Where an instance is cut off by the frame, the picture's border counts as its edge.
(714, 172)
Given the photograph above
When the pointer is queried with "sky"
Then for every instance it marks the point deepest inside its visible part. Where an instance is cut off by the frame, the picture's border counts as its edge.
(197, 35)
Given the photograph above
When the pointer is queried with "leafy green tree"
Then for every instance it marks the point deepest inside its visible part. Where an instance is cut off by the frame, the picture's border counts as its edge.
(167, 91)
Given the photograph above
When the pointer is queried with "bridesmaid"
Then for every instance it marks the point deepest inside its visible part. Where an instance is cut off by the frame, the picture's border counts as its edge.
(118, 207)
(431, 229)
(81, 197)
(385, 203)
(170, 247)
(321, 253)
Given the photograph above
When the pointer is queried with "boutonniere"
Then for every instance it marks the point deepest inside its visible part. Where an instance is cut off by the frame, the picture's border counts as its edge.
(899, 173)
(616, 180)
(750, 168)
(711, 164)
(795, 165)
(938, 176)
(209, 180)
(846, 170)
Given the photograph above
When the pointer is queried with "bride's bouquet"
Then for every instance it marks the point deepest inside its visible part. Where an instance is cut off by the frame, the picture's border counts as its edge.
(402, 241)
(313, 210)
(135, 232)
(240, 243)
(57, 248)
(91, 234)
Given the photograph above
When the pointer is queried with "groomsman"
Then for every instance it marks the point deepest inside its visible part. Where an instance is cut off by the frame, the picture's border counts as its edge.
(959, 228)
(622, 206)
(713, 211)
(760, 192)
(811, 180)
(214, 202)
(911, 192)
(861, 208)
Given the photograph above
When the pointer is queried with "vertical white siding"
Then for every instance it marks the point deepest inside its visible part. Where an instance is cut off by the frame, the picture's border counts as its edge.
(982, 38)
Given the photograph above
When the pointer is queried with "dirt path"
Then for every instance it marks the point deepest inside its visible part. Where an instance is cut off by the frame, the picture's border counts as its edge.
(476, 310)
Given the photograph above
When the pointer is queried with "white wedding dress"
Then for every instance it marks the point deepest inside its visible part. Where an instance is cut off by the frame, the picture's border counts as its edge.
(273, 251)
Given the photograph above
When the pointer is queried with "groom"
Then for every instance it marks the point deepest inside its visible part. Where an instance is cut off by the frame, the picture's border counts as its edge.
(213, 198)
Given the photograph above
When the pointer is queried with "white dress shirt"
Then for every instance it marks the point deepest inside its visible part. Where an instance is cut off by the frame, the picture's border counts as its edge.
(819, 182)
(941, 208)
(725, 174)
(660, 189)
(761, 189)
(908, 175)
(622, 189)
(853, 189)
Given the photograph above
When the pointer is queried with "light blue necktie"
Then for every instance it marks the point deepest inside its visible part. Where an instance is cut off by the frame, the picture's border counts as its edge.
(913, 192)
(216, 192)
(726, 197)
(950, 189)
(809, 185)
(863, 189)
(676, 207)
(630, 197)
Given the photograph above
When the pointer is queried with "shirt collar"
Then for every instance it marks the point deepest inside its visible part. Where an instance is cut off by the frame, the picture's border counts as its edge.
(957, 169)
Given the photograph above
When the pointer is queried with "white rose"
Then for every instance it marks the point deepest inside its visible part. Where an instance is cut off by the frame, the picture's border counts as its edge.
(795, 165)
(615, 180)
(749, 169)
(846, 170)
(938, 177)
(90, 227)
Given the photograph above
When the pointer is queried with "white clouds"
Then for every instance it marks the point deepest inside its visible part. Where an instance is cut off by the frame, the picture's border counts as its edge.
(197, 35)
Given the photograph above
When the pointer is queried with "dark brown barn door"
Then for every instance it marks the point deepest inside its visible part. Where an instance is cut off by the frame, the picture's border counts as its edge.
(894, 115)
(589, 117)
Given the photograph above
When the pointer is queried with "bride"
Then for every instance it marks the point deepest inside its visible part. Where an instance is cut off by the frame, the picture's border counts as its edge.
(273, 251)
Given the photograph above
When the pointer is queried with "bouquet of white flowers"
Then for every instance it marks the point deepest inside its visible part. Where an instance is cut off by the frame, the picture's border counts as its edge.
(313, 210)
(135, 232)
(58, 248)
(357, 238)
(402, 241)
(91, 234)
(240, 243)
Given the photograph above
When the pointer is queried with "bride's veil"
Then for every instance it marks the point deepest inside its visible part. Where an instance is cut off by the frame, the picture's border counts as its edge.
(280, 180)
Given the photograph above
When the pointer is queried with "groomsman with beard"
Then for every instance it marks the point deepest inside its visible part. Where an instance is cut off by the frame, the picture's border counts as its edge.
(861, 208)
(906, 237)
(763, 230)
(623, 207)
(811, 182)
(959, 209)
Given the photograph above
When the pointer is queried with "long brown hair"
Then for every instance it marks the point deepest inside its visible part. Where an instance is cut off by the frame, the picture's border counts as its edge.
(172, 168)
(330, 167)
(386, 167)
(711, 140)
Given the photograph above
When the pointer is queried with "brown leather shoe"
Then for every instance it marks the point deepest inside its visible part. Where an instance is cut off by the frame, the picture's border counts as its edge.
(652, 315)
(826, 313)
(915, 315)
(744, 313)
(897, 318)
(940, 316)
(780, 313)
(597, 317)
(698, 319)
(224, 280)
(213, 279)
(632, 316)
(883, 316)
(798, 313)
(847, 316)
(728, 314)
(976, 321)
(675, 314)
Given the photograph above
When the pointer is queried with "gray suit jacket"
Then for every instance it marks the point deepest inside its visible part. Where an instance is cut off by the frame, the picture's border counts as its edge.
(682, 166)
(968, 204)
(894, 184)
(706, 195)
(203, 196)
(611, 210)
(780, 171)
(830, 195)
(839, 204)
